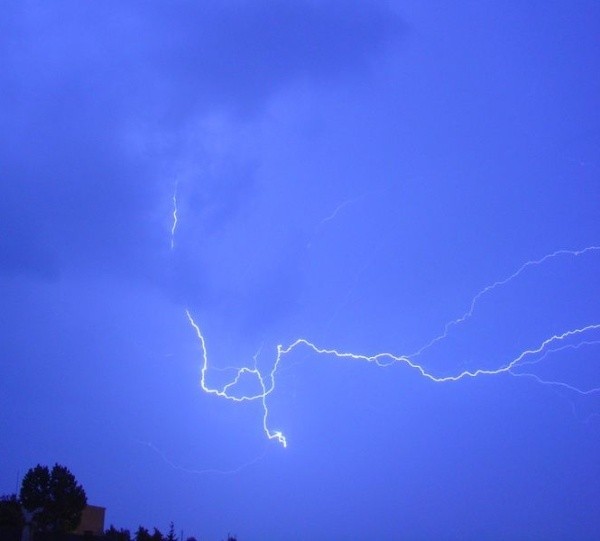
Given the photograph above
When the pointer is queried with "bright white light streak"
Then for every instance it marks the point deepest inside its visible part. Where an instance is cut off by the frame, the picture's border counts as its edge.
(531, 356)
(174, 224)
(557, 383)
(551, 383)
(562, 348)
(488, 289)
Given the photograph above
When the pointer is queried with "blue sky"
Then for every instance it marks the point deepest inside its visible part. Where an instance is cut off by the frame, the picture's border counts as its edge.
(351, 173)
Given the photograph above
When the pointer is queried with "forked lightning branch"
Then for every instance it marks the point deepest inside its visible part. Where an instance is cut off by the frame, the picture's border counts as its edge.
(568, 338)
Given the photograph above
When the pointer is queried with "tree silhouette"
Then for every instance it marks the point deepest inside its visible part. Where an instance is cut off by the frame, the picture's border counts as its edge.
(54, 498)
(142, 534)
(112, 534)
(157, 536)
(171, 536)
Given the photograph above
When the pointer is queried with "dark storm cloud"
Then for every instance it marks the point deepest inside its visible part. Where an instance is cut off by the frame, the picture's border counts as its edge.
(78, 77)
(237, 55)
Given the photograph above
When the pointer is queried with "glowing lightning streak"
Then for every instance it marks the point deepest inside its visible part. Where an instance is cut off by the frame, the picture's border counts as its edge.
(345, 204)
(558, 383)
(174, 226)
(385, 359)
(568, 346)
(337, 210)
(493, 286)
(436, 379)
(272, 435)
(377, 359)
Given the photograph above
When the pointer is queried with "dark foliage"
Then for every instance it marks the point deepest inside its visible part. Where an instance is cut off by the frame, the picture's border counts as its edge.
(54, 498)
(112, 534)
(11, 513)
(57, 536)
(142, 534)
(156, 535)
(10, 533)
(171, 536)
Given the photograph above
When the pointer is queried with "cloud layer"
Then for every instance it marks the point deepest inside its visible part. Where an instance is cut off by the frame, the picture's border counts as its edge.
(96, 98)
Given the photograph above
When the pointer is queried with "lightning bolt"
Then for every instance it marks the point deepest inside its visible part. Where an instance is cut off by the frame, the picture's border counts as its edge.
(534, 355)
(562, 384)
(337, 210)
(174, 224)
(491, 287)
(343, 204)
(380, 359)
(267, 389)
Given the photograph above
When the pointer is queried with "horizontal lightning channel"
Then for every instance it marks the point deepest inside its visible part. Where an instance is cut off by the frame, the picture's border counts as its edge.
(528, 357)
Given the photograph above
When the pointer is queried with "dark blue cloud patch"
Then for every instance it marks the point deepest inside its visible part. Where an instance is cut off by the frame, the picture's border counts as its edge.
(79, 78)
(267, 44)
(74, 200)
(158, 59)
